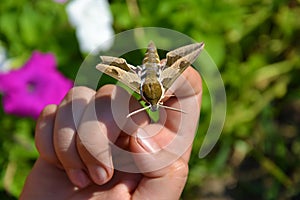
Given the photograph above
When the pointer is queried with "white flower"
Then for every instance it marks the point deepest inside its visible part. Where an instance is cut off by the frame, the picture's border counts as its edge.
(93, 23)
(5, 64)
(60, 1)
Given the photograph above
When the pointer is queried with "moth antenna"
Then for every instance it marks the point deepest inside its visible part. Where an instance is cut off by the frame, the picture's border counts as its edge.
(137, 111)
(171, 108)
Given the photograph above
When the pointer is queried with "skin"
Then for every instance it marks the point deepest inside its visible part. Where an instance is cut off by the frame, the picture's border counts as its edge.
(75, 163)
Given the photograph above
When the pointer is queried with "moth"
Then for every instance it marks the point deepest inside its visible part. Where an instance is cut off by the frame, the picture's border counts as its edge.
(153, 78)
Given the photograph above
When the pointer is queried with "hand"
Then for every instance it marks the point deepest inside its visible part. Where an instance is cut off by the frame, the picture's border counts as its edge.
(90, 150)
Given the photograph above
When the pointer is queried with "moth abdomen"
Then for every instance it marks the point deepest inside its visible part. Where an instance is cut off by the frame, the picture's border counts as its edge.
(152, 92)
(151, 55)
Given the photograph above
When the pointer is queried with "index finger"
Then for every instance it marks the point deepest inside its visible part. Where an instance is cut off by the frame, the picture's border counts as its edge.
(187, 96)
(174, 134)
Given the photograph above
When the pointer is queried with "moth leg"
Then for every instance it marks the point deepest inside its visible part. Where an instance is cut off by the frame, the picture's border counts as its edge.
(138, 68)
(162, 64)
(167, 96)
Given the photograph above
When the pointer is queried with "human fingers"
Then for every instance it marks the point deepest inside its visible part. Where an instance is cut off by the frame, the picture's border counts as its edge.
(44, 135)
(68, 115)
(186, 96)
(46, 181)
(165, 172)
(187, 91)
(103, 123)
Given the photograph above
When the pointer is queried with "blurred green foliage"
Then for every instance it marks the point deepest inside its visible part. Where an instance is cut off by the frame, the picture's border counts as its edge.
(256, 45)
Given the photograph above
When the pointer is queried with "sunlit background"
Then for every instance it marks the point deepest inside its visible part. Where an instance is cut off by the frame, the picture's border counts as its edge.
(255, 44)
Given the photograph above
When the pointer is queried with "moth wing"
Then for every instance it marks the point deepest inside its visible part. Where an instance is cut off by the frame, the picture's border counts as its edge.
(189, 52)
(118, 62)
(177, 61)
(121, 71)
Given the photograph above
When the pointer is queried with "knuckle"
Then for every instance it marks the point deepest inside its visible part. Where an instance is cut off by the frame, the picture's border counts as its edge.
(78, 92)
(180, 168)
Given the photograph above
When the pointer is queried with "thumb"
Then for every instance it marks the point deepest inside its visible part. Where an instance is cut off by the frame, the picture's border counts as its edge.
(165, 172)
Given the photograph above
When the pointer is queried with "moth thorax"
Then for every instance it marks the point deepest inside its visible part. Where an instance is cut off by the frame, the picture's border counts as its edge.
(152, 92)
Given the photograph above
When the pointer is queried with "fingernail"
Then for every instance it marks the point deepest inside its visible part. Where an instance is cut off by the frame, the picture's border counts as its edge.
(78, 178)
(146, 141)
(101, 175)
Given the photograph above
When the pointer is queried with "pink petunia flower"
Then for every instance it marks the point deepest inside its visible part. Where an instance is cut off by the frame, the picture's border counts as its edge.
(28, 90)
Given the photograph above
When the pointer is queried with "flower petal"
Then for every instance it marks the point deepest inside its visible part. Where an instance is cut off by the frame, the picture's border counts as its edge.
(28, 90)
(93, 22)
